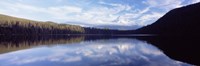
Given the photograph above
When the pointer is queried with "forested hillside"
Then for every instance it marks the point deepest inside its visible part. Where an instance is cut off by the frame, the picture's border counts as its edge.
(14, 25)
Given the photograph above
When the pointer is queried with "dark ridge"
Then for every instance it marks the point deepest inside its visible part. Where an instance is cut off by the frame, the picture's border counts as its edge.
(184, 21)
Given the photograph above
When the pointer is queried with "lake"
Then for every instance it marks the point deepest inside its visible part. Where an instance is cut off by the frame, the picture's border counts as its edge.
(86, 51)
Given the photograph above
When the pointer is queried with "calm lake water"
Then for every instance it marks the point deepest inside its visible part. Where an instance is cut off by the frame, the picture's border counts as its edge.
(82, 51)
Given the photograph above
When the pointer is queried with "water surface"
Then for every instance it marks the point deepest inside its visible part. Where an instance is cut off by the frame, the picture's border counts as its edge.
(76, 51)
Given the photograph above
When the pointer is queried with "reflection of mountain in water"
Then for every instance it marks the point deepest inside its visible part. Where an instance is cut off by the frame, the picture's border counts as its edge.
(184, 49)
(13, 43)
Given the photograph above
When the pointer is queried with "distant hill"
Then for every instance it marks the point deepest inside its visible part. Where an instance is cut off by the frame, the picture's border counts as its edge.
(180, 22)
(14, 25)
(118, 27)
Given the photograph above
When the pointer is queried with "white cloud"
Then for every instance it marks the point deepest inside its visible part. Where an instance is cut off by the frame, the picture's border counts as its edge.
(55, 12)
(58, 1)
(65, 9)
(102, 15)
(145, 19)
(195, 1)
(127, 7)
(164, 4)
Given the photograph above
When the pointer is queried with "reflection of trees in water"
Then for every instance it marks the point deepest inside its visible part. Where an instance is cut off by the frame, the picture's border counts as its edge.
(19, 42)
(13, 43)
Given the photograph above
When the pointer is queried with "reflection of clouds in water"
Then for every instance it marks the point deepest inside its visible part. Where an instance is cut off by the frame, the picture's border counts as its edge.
(101, 52)
(27, 60)
(72, 59)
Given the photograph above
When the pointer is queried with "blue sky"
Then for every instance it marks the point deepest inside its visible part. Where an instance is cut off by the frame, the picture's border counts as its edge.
(92, 12)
